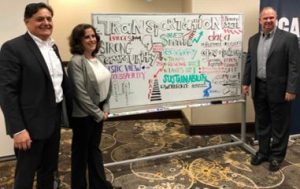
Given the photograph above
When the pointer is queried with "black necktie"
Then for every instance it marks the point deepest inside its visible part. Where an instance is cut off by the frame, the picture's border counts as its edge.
(267, 35)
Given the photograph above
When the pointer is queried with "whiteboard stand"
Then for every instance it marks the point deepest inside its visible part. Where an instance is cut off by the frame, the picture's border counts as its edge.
(236, 141)
(243, 131)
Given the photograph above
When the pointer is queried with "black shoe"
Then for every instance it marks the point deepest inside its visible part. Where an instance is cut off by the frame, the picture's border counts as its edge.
(274, 165)
(258, 159)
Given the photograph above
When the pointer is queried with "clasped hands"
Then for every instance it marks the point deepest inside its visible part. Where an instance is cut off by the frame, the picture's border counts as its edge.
(105, 115)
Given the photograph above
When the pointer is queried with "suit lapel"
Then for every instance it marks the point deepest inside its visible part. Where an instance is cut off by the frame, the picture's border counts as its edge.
(255, 46)
(37, 53)
(276, 39)
(58, 55)
(256, 40)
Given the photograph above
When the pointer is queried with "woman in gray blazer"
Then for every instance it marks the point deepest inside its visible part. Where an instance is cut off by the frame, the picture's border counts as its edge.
(92, 88)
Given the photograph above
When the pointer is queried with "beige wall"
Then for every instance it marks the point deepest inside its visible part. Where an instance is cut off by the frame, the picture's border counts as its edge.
(187, 6)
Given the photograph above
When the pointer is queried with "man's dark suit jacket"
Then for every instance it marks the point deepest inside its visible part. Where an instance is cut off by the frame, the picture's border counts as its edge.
(27, 96)
(281, 66)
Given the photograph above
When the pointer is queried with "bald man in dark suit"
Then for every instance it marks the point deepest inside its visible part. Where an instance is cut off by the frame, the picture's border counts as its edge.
(271, 70)
(33, 86)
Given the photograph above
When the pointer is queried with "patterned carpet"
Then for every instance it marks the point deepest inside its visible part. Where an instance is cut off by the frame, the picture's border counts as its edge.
(222, 168)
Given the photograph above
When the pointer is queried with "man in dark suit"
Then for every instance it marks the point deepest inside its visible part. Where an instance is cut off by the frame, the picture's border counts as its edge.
(32, 87)
(271, 70)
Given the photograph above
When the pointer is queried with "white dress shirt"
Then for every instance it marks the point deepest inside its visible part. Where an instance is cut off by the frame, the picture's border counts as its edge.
(53, 63)
(102, 75)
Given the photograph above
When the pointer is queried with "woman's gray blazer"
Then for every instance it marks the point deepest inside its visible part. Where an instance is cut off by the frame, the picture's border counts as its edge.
(86, 98)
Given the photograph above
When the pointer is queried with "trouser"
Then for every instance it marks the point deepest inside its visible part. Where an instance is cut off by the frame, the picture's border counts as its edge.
(87, 154)
(272, 121)
(41, 158)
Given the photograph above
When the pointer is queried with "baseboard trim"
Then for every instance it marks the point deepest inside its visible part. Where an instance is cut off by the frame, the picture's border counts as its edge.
(7, 158)
(226, 128)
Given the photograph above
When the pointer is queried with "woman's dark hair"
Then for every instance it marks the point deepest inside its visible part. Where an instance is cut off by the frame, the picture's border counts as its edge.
(33, 8)
(75, 40)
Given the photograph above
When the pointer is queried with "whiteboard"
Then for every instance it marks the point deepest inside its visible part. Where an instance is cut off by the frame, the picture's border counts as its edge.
(162, 61)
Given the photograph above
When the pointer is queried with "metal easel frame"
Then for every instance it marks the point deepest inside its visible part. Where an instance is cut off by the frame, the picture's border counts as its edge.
(236, 141)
